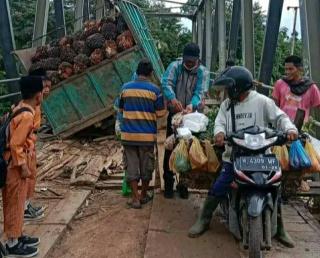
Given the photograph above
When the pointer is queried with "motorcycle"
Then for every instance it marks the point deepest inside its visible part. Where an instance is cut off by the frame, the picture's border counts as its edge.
(252, 205)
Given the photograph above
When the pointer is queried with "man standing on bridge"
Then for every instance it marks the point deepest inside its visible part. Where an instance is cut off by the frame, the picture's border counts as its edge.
(183, 84)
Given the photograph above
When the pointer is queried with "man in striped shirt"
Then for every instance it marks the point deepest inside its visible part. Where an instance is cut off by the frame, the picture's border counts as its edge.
(141, 103)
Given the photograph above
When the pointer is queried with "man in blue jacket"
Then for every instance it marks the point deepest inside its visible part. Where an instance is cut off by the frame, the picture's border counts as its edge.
(183, 84)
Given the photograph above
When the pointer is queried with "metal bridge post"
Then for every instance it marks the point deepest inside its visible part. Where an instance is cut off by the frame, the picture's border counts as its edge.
(270, 42)
(311, 32)
(78, 13)
(100, 9)
(222, 34)
(194, 29)
(215, 38)
(59, 17)
(208, 33)
(234, 30)
(199, 30)
(86, 10)
(7, 45)
(40, 23)
(247, 34)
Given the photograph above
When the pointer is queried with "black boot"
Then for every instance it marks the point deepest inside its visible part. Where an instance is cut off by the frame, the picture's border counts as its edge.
(168, 184)
(282, 235)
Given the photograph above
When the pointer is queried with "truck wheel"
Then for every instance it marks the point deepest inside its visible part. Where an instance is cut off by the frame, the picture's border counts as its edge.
(255, 237)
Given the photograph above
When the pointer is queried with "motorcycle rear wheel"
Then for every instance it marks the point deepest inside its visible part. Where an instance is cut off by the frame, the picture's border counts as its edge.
(255, 236)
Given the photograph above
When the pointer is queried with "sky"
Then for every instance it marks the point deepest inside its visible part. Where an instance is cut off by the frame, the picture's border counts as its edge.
(286, 18)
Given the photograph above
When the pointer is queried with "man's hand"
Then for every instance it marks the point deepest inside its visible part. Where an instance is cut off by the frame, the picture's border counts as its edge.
(188, 109)
(219, 139)
(292, 135)
(177, 105)
(25, 172)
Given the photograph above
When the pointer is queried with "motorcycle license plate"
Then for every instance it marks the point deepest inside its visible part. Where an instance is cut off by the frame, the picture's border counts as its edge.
(266, 163)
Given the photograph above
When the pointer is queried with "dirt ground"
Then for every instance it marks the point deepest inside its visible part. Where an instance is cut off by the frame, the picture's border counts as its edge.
(105, 227)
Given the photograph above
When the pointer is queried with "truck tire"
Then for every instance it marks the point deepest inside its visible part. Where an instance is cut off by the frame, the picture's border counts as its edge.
(255, 236)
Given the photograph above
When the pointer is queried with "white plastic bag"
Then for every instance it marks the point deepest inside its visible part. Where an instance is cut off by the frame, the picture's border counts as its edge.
(196, 122)
(184, 133)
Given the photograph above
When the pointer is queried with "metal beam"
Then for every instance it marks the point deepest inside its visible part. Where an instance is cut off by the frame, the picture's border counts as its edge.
(222, 34)
(7, 45)
(86, 10)
(247, 35)
(175, 2)
(194, 30)
(270, 42)
(99, 9)
(173, 15)
(78, 12)
(199, 31)
(40, 23)
(215, 38)
(234, 30)
(305, 38)
(208, 41)
(59, 17)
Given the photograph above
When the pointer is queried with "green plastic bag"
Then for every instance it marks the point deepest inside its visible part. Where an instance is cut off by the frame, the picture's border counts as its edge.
(126, 189)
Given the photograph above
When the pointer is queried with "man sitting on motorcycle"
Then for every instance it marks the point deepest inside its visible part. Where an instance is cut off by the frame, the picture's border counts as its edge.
(250, 108)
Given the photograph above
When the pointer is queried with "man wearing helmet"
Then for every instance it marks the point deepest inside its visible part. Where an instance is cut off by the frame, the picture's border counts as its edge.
(250, 108)
(183, 84)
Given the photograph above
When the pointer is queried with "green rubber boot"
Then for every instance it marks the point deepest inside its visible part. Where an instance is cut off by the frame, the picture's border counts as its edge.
(282, 235)
(204, 218)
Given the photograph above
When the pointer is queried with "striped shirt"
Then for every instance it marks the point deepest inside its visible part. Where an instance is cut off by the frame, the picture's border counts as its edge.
(141, 102)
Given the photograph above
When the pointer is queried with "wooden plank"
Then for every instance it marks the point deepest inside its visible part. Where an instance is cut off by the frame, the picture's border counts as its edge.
(67, 208)
(161, 137)
(307, 216)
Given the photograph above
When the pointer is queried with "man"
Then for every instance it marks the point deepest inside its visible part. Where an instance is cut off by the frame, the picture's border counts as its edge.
(251, 108)
(141, 103)
(294, 91)
(183, 85)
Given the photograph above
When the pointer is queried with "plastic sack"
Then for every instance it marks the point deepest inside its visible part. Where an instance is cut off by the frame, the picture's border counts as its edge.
(184, 133)
(179, 160)
(282, 155)
(213, 163)
(314, 157)
(169, 142)
(125, 189)
(298, 157)
(196, 155)
(196, 122)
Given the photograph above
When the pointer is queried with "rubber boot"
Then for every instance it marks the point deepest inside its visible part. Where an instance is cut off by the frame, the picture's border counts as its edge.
(282, 235)
(168, 185)
(203, 221)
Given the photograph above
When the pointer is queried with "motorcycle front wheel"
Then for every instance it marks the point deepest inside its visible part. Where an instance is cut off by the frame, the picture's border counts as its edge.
(255, 236)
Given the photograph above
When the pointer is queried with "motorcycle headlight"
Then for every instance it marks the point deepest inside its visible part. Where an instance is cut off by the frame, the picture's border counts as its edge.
(255, 141)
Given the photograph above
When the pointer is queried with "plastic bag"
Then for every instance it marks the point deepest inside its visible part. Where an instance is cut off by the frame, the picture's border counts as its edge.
(179, 161)
(196, 155)
(126, 189)
(177, 120)
(298, 157)
(282, 155)
(196, 122)
(169, 142)
(184, 133)
(213, 163)
(314, 157)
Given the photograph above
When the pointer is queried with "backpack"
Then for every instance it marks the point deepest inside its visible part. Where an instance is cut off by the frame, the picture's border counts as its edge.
(3, 143)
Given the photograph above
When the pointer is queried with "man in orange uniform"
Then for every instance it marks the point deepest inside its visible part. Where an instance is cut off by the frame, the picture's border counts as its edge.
(20, 157)
(31, 212)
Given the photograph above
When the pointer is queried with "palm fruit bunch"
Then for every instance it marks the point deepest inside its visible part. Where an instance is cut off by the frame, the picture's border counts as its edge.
(125, 40)
(97, 56)
(81, 63)
(67, 54)
(41, 53)
(95, 41)
(74, 54)
(90, 28)
(54, 77)
(110, 48)
(65, 70)
(109, 30)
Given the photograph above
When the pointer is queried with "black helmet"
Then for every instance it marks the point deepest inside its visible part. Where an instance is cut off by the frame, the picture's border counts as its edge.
(236, 80)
